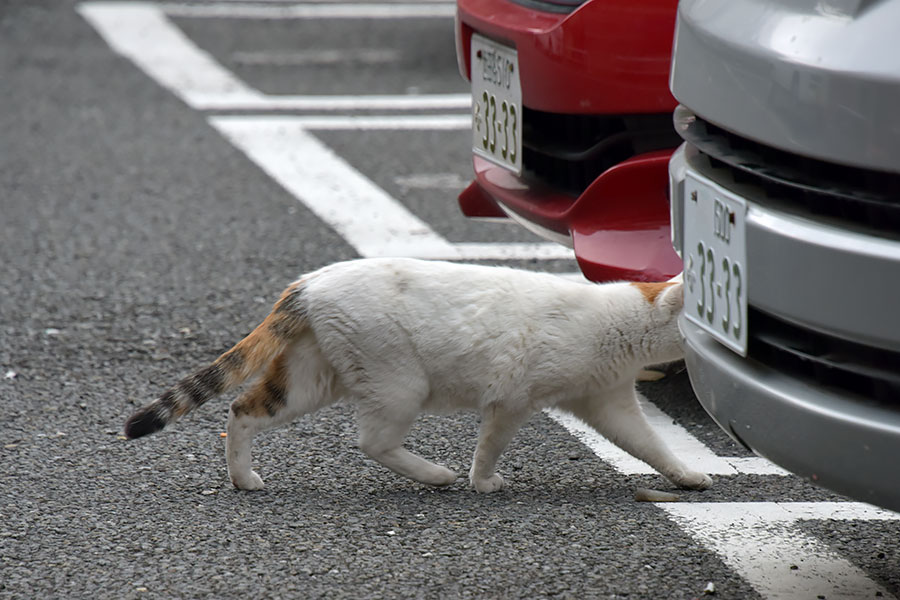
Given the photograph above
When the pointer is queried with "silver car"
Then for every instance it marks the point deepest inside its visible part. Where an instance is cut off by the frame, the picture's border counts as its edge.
(785, 204)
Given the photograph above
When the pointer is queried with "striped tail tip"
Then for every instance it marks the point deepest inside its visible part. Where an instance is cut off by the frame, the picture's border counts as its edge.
(145, 421)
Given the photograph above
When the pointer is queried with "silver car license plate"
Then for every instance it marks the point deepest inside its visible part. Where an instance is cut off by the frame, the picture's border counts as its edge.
(715, 260)
(496, 103)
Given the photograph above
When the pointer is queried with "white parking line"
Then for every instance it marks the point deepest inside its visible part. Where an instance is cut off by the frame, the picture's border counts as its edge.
(512, 251)
(261, 102)
(760, 542)
(688, 448)
(364, 214)
(231, 10)
(229, 101)
(349, 122)
(141, 32)
(363, 122)
(318, 57)
(431, 181)
(309, 2)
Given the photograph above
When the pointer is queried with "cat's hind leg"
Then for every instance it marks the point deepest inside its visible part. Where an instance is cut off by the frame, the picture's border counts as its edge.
(297, 382)
(242, 427)
(382, 430)
(498, 426)
(619, 418)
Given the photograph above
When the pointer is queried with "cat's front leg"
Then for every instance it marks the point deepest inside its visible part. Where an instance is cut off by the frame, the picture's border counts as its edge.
(692, 480)
(382, 428)
(498, 426)
(619, 418)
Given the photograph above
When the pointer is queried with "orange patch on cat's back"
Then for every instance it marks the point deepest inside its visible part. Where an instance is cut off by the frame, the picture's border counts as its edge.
(651, 291)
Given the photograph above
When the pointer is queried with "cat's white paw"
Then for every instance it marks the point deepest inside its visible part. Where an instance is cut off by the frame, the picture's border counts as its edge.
(250, 481)
(488, 485)
(442, 476)
(694, 480)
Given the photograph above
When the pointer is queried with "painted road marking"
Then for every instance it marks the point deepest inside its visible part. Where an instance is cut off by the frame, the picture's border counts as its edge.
(260, 102)
(141, 32)
(318, 57)
(312, 11)
(372, 221)
(760, 542)
(362, 213)
(309, 1)
(361, 122)
(685, 446)
(756, 539)
(431, 181)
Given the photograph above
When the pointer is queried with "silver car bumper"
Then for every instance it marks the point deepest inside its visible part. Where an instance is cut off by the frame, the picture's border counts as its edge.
(831, 438)
(817, 392)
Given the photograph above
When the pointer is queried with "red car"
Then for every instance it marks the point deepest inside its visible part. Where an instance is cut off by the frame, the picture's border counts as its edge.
(572, 126)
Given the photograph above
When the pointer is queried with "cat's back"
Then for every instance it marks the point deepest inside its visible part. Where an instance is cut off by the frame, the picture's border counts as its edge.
(465, 306)
(510, 331)
(414, 285)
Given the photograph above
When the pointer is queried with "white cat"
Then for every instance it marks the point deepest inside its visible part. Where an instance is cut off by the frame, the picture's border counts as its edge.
(400, 337)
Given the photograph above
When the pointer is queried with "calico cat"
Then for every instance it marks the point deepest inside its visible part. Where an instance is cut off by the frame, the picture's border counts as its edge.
(401, 336)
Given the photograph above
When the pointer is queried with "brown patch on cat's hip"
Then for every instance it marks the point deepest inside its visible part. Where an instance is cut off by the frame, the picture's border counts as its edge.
(268, 395)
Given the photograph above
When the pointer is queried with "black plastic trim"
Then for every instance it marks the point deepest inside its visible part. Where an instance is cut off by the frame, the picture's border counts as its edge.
(866, 371)
(554, 6)
(861, 197)
(569, 152)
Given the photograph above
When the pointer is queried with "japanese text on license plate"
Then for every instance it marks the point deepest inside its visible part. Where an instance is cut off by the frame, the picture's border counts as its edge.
(496, 103)
(715, 261)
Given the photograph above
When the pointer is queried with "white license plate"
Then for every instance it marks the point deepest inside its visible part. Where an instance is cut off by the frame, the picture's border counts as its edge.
(715, 260)
(496, 103)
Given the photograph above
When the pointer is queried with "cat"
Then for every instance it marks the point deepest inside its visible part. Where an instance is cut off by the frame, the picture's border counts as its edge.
(403, 336)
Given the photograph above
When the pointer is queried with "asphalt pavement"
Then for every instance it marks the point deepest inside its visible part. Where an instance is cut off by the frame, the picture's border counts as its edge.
(137, 243)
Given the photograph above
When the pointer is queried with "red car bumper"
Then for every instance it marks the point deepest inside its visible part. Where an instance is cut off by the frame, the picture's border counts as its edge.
(595, 83)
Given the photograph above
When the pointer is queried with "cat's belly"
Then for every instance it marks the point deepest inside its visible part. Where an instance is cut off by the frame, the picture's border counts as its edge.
(444, 400)
(469, 394)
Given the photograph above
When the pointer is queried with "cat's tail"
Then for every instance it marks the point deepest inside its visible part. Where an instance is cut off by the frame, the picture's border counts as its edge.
(283, 325)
